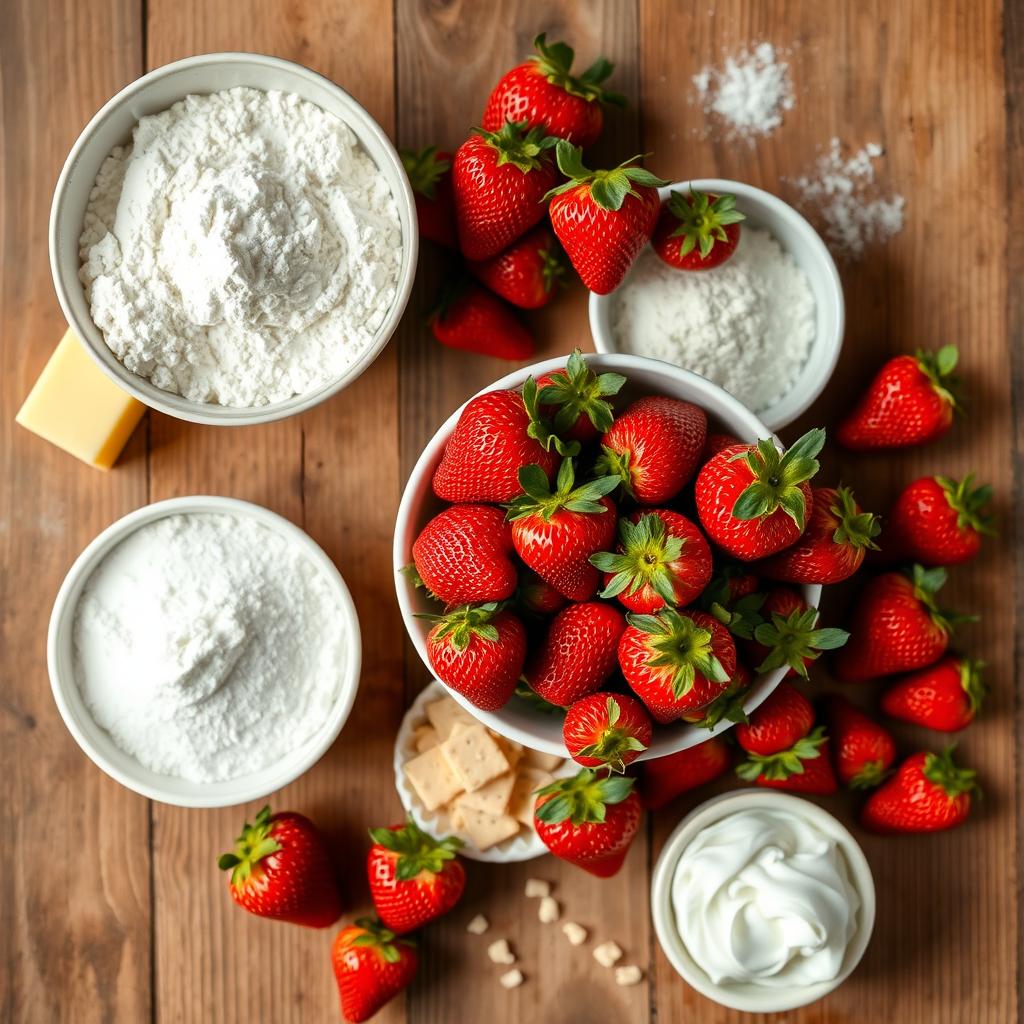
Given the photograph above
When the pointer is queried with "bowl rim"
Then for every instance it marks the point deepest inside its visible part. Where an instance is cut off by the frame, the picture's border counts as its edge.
(423, 469)
(749, 998)
(144, 781)
(388, 162)
(598, 306)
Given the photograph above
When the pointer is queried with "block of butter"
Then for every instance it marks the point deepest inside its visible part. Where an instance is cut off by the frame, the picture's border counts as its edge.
(75, 406)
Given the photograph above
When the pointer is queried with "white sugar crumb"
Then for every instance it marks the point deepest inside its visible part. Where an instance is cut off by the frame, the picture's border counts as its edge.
(499, 952)
(608, 954)
(549, 911)
(750, 92)
(843, 192)
(478, 925)
(575, 933)
(511, 979)
(537, 888)
(631, 975)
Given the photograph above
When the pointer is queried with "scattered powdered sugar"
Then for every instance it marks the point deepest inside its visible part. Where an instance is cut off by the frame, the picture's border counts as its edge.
(208, 646)
(844, 193)
(747, 325)
(750, 92)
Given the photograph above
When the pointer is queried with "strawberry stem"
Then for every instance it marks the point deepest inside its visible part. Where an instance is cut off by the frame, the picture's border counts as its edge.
(972, 682)
(254, 843)
(554, 60)
(702, 220)
(856, 529)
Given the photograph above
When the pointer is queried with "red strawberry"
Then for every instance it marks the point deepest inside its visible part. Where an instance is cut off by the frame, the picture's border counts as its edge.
(804, 768)
(896, 626)
(602, 218)
(910, 401)
(665, 778)
(928, 793)
(414, 878)
(470, 318)
(662, 559)
(945, 696)
(752, 501)
(429, 173)
(479, 652)
(716, 443)
(676, 662)
(784, 717)
(527, 272)
(937, 521)
(463, 555)
(697, 231)
(537, 595)
(728, 706)
(543, 92)
(833, 547)
(863, 750)
(589, 820)
(654, 447)
(606, 730)
(489, 445)
(578, 653)
(371, 967)
(501, 180)
(556, 532)
(281, 869)
(575, 399)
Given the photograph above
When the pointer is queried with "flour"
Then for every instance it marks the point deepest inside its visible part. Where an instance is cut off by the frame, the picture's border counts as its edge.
(747, 325)
(208, 646)
(242, 250)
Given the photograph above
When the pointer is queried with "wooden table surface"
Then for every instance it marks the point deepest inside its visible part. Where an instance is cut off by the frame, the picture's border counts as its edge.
(111, 906)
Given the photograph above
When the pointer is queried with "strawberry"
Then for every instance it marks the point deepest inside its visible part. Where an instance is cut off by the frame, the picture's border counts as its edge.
(578, 653)
(543, 93)
(470, 318)
(910, 401)
(479, 652)
(728, 706)
(928, 793)
(938, 521)
(896, 626)
(784, 717)
(490, 444)
(662, 559)
(500, 179)
(945, 696)
(414, 878)
(556, 532)
(654, 447)
(281, 869)
(463, 555)
(606, 730)
(589, 820)
(371, 966)
(833, 547)
(752, 501)
(697, 231)
(665, 778)
(576, 399)
(716, 443)
(527, 272)
(676, 662)
(537, 596)
(863, 750)
(429, 173)
(803, 768)
(602, 218)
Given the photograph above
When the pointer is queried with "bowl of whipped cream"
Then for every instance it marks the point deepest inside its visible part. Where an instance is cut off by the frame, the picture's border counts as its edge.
(233, 238)
(762, 901)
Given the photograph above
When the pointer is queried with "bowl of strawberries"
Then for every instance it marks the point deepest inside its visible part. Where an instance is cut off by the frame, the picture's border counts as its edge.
(596, 526)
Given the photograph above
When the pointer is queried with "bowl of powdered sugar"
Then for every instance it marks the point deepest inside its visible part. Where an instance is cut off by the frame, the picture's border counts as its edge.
(233, 238)
(204, 651)
(766, 326)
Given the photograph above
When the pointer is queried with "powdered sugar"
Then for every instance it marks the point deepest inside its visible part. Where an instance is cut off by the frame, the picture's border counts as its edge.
(242, 250)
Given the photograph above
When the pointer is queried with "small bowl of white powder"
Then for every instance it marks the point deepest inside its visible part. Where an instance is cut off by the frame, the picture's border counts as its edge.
(204, 651)
(766, 326)
(233, 237)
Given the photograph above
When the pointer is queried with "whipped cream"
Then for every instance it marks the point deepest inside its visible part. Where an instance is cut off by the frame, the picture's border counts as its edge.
(764, 897)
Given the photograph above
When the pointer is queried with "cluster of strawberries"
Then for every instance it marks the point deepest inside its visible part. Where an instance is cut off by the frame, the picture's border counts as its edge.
(281, 868)
(519, 181)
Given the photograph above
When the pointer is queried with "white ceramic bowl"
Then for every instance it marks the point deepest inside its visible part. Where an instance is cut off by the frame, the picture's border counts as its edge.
(96, 741)
(746, 997)
(524, 846)
(796, 237)
(518, 720)
(112, 126)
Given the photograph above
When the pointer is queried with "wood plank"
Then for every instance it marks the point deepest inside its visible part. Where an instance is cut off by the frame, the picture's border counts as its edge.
(933, 97)
(75, 945)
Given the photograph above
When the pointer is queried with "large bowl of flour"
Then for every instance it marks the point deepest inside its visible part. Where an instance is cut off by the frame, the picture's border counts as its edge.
(233, 238)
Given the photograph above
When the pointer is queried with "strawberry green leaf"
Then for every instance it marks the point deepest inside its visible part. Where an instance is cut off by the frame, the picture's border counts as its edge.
(677, 643)
(540, 429)
(463, 624)
(582, 798)
(576, 391)
(646, 559)
(519, 145)
(540, 500)
(424, 169)
(554, 60)
(702, 220)
(787, 762)
(942, 771)
(968, 502)
(608, 188)
(255, 842)
(417, 851)
(856, 529)
(776, 479)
